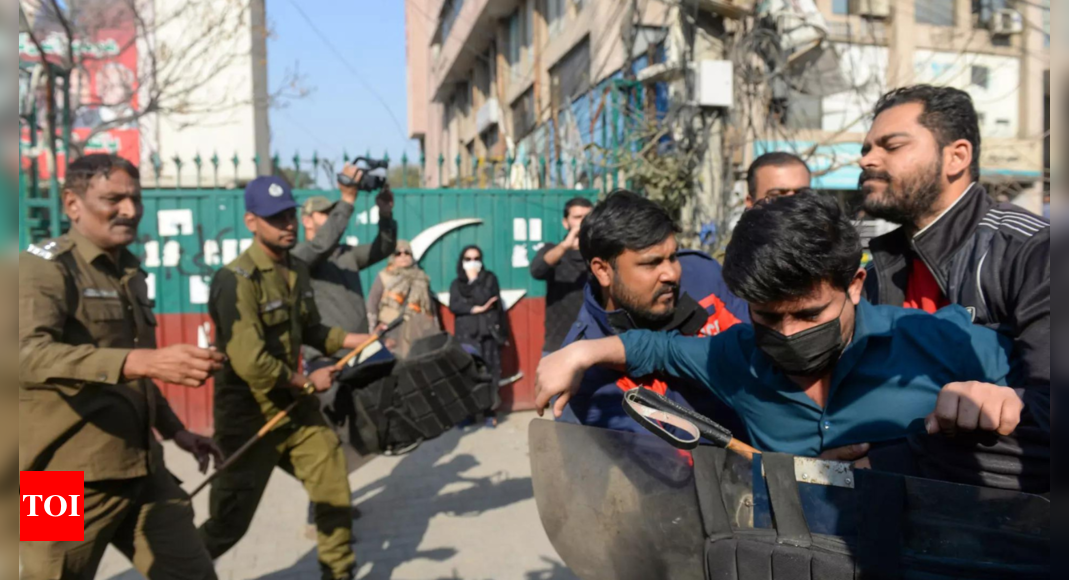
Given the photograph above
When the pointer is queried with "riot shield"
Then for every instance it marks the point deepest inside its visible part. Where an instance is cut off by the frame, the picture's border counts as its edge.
(616, 506)
(623, 505)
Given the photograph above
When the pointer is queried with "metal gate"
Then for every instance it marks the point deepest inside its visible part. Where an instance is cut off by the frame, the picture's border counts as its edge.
(187, 235)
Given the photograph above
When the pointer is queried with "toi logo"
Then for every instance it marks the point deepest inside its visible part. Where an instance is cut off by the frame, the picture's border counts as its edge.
(52, 506)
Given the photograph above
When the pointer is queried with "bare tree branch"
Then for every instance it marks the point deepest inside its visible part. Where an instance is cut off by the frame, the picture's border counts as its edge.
(186, 52)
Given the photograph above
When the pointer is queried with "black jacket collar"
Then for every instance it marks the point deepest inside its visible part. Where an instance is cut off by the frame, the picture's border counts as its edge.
(941, 240)
(690, 317)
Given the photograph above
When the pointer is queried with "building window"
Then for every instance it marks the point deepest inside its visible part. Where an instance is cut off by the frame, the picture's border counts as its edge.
(556, 12)
(841, 7)
(523, 115)
(799, 111)
(520, 36)
(570, 78)
(450, 12)
(483, 78)
(514, 43)
(463, 99)
(1046, 28)
(982, 10)
(981, 77)
(936, 12)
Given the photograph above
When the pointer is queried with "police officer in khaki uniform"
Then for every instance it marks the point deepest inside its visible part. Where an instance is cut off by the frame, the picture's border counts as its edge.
(264, 310)
(87, 355)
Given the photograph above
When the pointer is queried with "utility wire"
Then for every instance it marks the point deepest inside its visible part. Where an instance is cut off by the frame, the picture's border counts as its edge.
(352, 70)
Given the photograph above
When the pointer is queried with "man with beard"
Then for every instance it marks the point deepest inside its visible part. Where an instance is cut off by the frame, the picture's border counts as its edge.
(921, 168)
(87, 400)
(264, 309)
(821, 368)
(640, 280)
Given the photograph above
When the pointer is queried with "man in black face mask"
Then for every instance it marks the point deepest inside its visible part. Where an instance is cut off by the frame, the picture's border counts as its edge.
(820, 369)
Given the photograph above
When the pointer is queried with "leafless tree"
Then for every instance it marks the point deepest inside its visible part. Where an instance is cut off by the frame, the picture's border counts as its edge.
(186, 52)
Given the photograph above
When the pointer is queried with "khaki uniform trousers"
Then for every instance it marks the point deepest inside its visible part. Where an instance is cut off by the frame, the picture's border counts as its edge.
(149, 520)
(310, 452)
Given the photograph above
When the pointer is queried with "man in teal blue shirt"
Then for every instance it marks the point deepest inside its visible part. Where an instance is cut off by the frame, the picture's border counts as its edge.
(821, 371)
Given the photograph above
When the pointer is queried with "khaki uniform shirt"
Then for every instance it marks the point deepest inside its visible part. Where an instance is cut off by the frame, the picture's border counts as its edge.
(262, 318)
(80, 315)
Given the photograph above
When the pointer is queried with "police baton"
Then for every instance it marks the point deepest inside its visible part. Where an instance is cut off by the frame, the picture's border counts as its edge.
(270, 425)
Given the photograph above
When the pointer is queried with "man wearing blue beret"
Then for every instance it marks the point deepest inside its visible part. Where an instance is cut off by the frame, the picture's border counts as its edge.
(264, 310)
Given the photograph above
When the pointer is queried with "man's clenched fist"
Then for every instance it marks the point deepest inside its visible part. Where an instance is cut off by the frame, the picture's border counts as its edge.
(975, 406)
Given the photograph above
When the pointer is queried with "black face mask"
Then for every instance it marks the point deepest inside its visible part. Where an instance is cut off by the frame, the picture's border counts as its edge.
(805, 354)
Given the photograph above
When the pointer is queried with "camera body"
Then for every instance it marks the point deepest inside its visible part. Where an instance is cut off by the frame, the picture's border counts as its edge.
(370, 181)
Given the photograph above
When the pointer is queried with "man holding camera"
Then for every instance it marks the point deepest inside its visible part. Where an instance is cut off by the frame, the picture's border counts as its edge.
(336, 267)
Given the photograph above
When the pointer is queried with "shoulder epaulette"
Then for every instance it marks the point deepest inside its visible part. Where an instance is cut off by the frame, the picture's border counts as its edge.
(242, 266)
(50, 249)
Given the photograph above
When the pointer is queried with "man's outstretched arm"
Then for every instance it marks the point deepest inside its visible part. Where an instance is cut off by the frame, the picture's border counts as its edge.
(560, 374)
(327, 237)
(638, 353)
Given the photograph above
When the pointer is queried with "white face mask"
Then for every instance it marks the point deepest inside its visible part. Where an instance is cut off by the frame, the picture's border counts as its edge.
(474, 266)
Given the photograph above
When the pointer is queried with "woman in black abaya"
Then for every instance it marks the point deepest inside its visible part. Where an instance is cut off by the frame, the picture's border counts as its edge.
(475, 299)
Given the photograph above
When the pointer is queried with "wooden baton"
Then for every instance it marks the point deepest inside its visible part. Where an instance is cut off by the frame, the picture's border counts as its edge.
(270, 425)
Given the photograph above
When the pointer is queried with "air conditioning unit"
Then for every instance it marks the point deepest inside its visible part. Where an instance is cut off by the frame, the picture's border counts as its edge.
(800, 24)
(488, 115)
(1006, 22)
(871, 8)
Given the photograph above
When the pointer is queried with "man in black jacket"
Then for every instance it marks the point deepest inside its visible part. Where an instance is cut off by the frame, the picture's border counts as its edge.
(921, 168)
(564, 271)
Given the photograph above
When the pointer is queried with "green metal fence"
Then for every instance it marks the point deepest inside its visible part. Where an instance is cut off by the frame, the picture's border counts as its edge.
(41, 215)
(190, 232)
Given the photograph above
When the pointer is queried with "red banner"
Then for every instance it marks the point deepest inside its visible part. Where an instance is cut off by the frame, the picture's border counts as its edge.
(103, 85)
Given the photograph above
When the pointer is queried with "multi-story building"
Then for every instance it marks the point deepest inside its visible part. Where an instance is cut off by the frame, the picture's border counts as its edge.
(494, 78)
(485, 76)
(997, 50)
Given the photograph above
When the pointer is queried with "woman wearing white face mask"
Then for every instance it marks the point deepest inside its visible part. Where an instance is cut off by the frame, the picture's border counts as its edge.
(475, 299)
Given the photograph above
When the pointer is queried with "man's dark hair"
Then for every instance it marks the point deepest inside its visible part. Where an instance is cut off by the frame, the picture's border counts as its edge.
(774, 159)
(576, 202)
(948, 113)
(624, 221)
(785, 247)
(84, 170)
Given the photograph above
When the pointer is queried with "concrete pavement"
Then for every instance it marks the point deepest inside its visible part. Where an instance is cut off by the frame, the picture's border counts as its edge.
(459, 507)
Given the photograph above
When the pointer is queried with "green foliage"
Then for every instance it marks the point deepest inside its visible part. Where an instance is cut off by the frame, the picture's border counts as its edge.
(404, 177)
(666, 178)
(298, 179)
